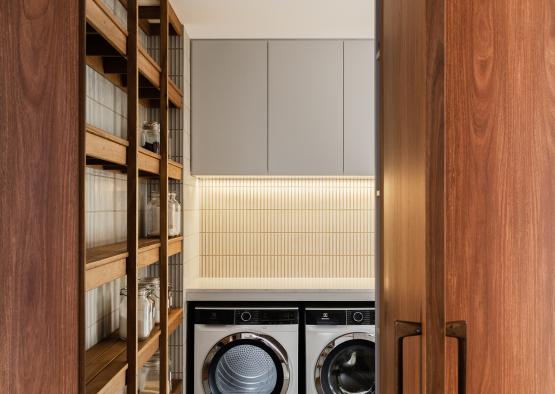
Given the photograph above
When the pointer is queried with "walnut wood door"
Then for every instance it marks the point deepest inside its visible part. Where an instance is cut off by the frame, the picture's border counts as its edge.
(500, 192)
(40, 168)
(468, 157)
(411, 201)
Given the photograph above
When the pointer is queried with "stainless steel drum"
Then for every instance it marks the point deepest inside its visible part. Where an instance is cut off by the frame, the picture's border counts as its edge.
(246, 363)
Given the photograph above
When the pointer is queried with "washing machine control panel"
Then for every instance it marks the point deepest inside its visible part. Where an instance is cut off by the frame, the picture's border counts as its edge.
(323, 317)
(341, 317)
(365, 317)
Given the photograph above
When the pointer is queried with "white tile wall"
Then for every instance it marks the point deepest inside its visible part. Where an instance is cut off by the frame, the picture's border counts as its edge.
(106, 104)
(287, 227)
(106, 223)
(118, 10)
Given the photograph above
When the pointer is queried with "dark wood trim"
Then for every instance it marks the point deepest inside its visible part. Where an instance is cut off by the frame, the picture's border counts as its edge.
(82, 192)
(164, 339)
(132, 193)
(434, 321)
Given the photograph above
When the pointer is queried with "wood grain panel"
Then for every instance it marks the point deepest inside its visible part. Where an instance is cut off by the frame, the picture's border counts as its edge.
(412, 182)
(403, 173)
(500, 250)
(39, 198)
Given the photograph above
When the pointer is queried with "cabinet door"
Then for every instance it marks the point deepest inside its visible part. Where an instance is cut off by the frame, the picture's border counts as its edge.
(229, 107)
(305, 83)
(358, 118)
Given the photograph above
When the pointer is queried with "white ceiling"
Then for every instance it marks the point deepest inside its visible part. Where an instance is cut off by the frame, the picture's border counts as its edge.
(277, 18)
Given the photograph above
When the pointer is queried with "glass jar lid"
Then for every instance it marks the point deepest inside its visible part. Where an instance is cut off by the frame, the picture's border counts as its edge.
(142, 290)
(151, 126)
(151, 281)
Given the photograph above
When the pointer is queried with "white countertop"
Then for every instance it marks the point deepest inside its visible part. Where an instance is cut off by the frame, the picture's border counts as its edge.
(281, 289)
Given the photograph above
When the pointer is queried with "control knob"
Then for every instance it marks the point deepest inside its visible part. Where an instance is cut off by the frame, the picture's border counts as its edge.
(246, 316)
(358, 317)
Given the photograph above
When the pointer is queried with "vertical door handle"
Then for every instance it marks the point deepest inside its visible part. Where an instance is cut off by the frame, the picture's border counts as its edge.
(457, 329)
(403, 329)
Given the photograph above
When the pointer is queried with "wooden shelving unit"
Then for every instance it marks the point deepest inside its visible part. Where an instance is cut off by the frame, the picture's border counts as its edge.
(113, 49)
(106, 361)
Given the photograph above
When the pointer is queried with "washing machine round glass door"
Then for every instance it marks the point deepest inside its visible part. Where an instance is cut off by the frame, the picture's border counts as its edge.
(246, 363)
(346, 365)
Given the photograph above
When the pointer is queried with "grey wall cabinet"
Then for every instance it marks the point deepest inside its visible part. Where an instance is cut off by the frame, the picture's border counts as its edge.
(305, 125)
(358, 111)
(229, 107)
(283, 107)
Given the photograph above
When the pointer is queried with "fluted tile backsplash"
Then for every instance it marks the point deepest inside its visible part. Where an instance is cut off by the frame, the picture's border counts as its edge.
(287, 227)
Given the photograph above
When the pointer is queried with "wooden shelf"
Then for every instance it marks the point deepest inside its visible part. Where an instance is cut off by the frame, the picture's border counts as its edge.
(103, 148)
(110, 43)
(107, 263)
(105, 363)
(148, 347)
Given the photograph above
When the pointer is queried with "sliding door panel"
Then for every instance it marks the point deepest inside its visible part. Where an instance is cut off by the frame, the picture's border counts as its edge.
(500, 250)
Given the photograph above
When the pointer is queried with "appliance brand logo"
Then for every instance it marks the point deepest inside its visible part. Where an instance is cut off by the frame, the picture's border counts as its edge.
(325, 316)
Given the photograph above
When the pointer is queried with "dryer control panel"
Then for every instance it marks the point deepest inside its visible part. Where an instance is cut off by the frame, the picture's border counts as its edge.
(247, 316)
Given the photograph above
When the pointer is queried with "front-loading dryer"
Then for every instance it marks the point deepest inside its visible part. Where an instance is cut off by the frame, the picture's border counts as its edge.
(246, 350)
(340, 351)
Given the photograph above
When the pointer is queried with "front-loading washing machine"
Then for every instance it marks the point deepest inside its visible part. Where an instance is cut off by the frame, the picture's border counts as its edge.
(340, 350)
(246, 350)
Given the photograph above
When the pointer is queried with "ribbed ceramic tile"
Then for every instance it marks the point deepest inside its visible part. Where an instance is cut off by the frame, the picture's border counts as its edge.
(287, 227)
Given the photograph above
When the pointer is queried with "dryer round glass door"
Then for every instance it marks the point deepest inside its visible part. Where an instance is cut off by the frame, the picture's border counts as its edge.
(246, 363)
(346, 366)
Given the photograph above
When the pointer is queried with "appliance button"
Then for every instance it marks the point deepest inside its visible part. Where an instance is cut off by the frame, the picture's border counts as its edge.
(246, 316)
(358, 317)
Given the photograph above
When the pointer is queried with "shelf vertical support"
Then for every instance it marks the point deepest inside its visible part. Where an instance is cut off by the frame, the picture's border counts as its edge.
(82, 192)
(132, 193)
(164, 149)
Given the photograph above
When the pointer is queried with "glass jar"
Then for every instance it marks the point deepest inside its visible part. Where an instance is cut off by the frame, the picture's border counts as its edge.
(154, 284)
(145, 312)
(149, 378)
(174, 217)
(150, 136)
(153, 216)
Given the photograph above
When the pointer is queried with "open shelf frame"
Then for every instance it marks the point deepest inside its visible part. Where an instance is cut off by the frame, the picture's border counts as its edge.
(113, 50)
(107, 48)
(106, 362)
